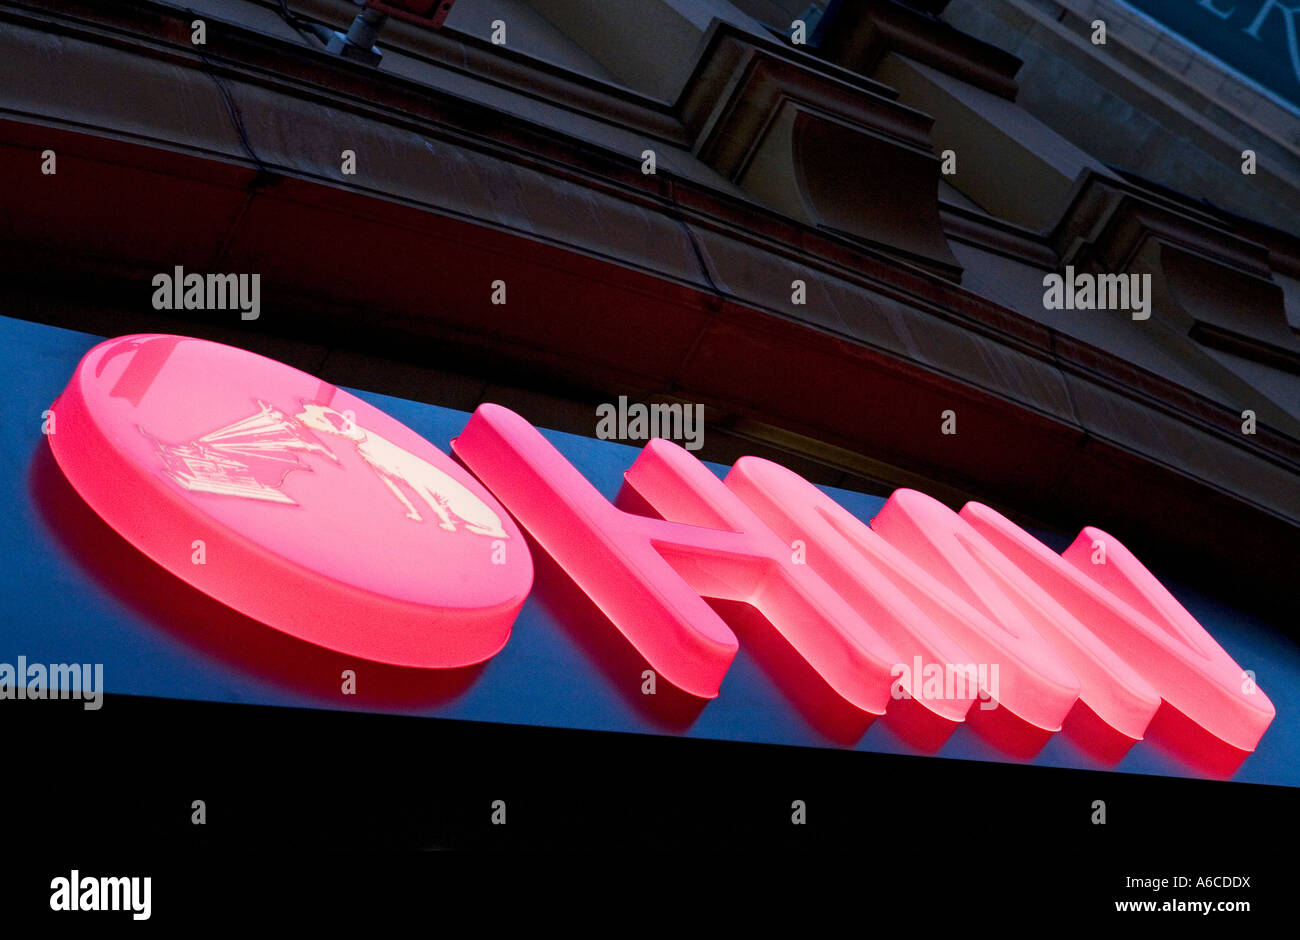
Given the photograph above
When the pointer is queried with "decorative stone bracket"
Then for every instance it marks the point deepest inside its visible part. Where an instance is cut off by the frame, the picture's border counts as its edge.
(859, 33)
(1210, 284)
(1208, 273)
(818, 143)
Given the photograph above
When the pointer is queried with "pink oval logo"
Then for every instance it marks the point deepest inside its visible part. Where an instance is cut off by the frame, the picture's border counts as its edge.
(292, 501)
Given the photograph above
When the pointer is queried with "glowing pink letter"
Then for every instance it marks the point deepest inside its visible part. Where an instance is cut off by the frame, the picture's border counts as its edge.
(945, 544)
(902, 600)
(1140, 620)
(647, 574)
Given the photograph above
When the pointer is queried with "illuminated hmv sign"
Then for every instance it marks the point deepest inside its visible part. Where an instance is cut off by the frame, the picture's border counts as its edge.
(317, 514)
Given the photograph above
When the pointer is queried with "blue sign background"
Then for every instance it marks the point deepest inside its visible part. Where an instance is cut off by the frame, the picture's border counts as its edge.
(74, 591)
(1258, 38)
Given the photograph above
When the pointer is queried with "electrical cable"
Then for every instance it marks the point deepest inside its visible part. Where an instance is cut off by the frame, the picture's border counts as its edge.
(304, 25)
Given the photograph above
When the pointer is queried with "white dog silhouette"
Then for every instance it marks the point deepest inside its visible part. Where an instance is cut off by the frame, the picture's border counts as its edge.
(396, 467)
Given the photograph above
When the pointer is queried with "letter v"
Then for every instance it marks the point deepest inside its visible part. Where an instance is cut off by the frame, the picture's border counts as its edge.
(1140, 620)
(909, 603)
(950, 548)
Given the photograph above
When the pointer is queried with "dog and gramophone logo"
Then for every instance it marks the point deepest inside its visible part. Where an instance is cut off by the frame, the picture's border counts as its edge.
(291, 500)
(251, 457)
